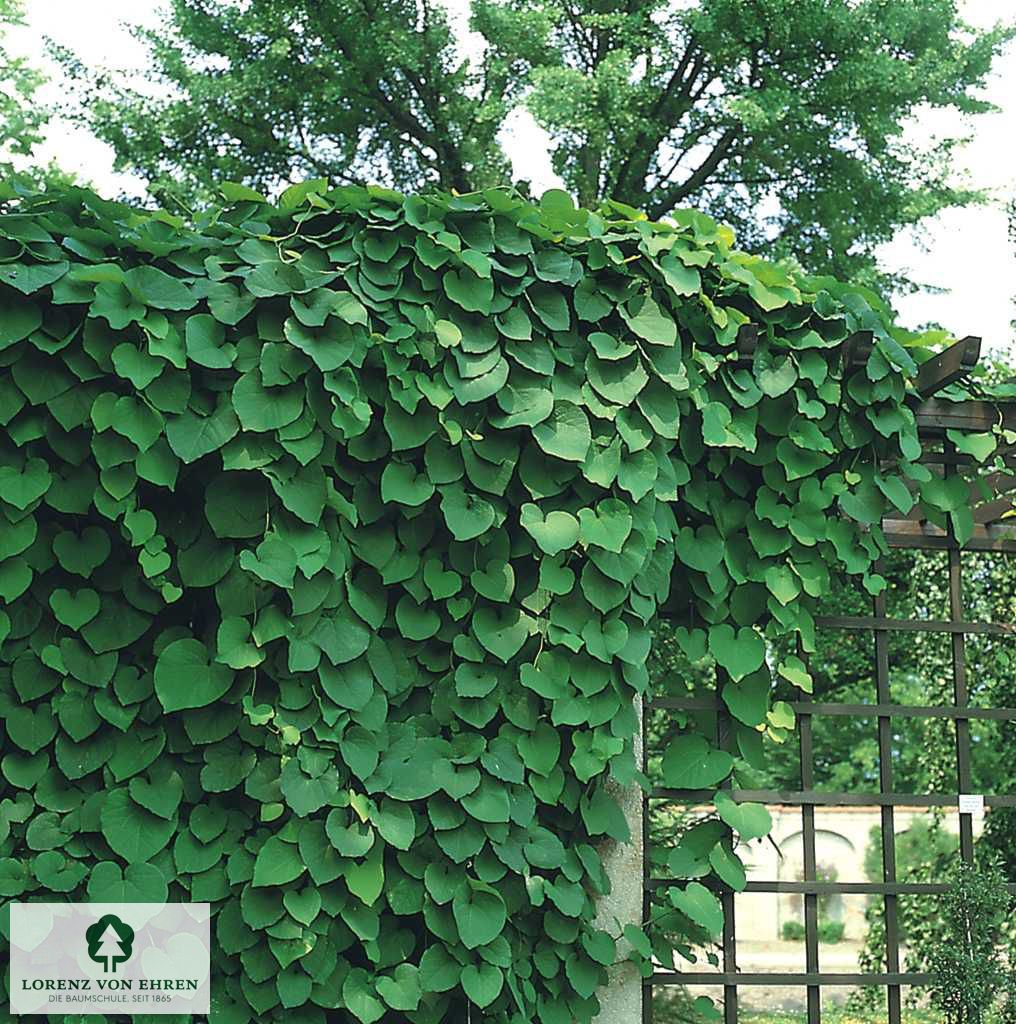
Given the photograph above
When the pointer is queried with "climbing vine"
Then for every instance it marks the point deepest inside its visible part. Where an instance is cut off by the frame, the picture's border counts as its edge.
(332, 534)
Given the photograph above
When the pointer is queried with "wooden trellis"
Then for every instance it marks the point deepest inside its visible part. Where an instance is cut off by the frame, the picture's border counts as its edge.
(992, 532)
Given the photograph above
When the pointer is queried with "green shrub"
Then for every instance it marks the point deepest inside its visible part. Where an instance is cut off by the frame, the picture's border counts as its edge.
(967, 973)
(830, 931)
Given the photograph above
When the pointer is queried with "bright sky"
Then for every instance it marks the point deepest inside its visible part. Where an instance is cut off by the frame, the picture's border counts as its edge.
(966, 252)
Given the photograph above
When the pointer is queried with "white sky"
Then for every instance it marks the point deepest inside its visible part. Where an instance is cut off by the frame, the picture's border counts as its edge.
(966, 252)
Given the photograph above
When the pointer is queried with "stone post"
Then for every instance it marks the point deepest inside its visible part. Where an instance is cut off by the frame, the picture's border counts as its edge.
(621, 999)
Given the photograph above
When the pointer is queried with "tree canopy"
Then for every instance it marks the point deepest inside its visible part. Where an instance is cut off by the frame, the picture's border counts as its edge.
(784, 118)
(22, 117)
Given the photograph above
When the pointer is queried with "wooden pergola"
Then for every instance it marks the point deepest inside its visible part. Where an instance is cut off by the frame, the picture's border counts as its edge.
(994, 530)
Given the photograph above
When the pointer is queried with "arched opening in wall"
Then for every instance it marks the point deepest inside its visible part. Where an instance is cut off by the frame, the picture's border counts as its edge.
(836, 858)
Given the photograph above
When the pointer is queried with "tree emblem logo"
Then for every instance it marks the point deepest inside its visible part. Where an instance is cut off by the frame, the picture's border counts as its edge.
(110, 942)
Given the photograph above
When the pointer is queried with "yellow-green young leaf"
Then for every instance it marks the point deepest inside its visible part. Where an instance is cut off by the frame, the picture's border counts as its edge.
(794, 670)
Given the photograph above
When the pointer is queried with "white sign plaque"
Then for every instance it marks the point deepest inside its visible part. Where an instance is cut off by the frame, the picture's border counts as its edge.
(971, 803)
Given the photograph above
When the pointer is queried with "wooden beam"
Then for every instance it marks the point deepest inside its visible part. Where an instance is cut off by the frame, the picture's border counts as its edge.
(993, 511)
(935, 416)
(903, 533)
(948, 366)
(747, 339)
(857, 348)
(854, 350)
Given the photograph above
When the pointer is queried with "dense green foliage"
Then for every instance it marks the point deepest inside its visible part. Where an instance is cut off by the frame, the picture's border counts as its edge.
(331, 536)
(22, 116)
(967, 970)
(784, 118)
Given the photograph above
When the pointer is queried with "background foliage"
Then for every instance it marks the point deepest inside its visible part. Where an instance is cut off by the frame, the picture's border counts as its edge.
(784, 118)
(22, 115)
(331, 535)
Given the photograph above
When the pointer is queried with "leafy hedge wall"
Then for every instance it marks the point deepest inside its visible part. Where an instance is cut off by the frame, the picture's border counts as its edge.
(331, 535)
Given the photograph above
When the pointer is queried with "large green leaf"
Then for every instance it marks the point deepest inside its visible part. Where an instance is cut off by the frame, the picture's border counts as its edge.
(192, 436)
(479, 914)
(749, 821)
(186, 676)
(277, 863)
(155, 287)
(132, 832)
(691, 763)
(565, 434)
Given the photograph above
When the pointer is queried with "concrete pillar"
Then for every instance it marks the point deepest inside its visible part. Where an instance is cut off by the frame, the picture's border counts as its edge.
(621, 999)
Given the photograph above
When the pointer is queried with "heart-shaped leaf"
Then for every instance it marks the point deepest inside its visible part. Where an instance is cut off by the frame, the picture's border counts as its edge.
(186, 677)
(135, 834)
(82, 554)
(554, 532)
(277, 863)
(137, 883)
(400, 482)
(440, 582)
(274, 562)
(22, 487)
(749, 821)
(359, 995)
(401, 989)
(689, 762)
(555, 577)
(496, 582)
(565, 434)
(748, 698)
(503, 632)
(728, 867)
(74, 610)
(303, 906)
(607, 526)
(698, 903)
(160, 794)
(482, 983)
(466, 515)
(31, 728)
(701, 549)
(479, 914)
(416, 621)
(740, 653)
(57, 872)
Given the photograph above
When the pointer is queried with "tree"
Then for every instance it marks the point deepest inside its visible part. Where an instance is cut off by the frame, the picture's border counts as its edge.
(276, 90)
(966, 964)
(22, 118)
(784, 118)
(109, 948)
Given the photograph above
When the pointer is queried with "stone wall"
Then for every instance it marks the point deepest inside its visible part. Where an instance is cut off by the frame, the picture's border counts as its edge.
(841, 838)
